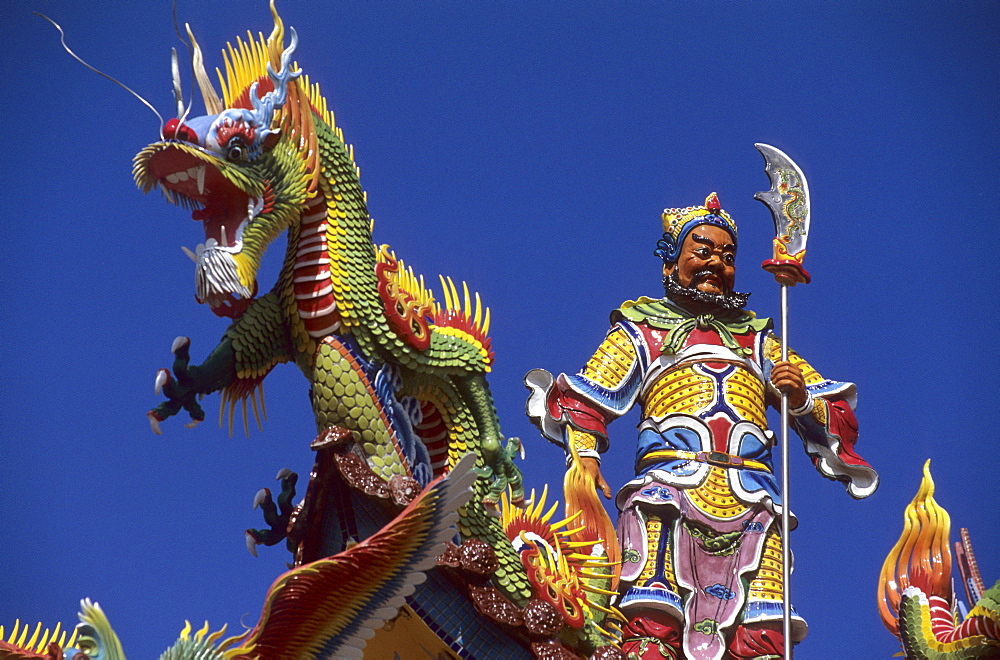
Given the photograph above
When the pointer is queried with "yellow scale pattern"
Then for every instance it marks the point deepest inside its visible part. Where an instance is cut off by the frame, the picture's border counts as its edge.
(679, 391)
(654, 527)
(810, 375)
(772, 351)
(581, 439)
(342, 397)
(745, 394)
(442, 399)
(767, 584)
(819, 411)
(613, 360)
(715, 497)
(607, 367)
(337, 248)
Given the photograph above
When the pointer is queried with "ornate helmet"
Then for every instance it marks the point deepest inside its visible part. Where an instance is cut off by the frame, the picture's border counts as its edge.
(677, 223)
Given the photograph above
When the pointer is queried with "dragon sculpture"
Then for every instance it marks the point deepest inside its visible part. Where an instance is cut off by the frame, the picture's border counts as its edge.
(398, 389)
(916, 600)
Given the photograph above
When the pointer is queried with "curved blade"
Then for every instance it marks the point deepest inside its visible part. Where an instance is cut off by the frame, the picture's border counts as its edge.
(788, 198)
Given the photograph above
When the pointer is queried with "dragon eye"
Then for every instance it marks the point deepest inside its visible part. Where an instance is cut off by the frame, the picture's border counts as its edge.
(236, 150)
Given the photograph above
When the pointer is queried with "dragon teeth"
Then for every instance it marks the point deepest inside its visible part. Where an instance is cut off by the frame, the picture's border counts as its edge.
(254, 206)
(197, 173)
(221, 244)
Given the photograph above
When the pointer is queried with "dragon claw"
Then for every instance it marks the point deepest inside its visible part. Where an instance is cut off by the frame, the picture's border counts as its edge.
(162, 378)
(491, 506)
(180, 389)
(520, 446)
(277, 515)
(251, 543)
(154, 422)
(263, 495)
(180, 343)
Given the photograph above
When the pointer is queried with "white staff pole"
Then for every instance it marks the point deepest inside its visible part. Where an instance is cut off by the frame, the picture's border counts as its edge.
(786, 518)
(788, 201)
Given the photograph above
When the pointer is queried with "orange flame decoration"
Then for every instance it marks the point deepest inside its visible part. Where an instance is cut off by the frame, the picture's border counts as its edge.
(407, 301)
(596, 526)
(555, 563)
(921, 557)
(781, 253)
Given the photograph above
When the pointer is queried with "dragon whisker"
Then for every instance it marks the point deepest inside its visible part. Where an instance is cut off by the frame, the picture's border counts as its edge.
(62, 40)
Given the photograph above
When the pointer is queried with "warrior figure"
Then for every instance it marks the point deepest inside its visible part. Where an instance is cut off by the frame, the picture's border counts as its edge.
(700, 540)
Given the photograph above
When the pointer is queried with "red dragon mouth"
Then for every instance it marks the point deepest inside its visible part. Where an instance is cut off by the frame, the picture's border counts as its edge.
(224, 211)
(222, 204)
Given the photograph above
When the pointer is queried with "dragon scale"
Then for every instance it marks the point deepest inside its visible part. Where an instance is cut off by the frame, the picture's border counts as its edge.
(412, 468)
(380, 352)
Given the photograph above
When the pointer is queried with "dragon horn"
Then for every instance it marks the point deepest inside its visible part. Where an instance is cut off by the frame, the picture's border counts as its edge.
(175, 73)
(276, 40)
(213, 104)
(264, 108)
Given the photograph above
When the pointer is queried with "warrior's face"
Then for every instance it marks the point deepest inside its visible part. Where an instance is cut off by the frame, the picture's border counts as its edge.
(707, 261)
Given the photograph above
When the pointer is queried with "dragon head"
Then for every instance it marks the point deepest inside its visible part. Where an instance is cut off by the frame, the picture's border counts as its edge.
(244, 168)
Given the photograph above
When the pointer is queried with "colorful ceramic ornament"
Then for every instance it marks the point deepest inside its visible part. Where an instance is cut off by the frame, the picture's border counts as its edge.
(409, 450)
(917, 602)
(701, 548)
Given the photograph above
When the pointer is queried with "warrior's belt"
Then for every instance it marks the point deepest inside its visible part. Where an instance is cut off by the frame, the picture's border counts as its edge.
(719, 458)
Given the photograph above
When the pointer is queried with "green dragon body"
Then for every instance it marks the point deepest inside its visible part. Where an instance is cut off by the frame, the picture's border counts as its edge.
(379, 352)
(397, 379)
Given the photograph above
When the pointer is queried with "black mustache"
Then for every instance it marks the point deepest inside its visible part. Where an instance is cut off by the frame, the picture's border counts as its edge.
(731, 301)
(704, 273)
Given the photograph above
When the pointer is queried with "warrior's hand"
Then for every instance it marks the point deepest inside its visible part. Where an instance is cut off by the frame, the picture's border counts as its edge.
(787, 379)
(593, 468)
(180, 392)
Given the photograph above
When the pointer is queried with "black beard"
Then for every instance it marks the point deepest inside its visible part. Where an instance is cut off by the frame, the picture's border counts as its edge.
(683, 294)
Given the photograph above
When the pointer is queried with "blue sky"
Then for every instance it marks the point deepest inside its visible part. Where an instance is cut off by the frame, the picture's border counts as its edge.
(528, 149)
